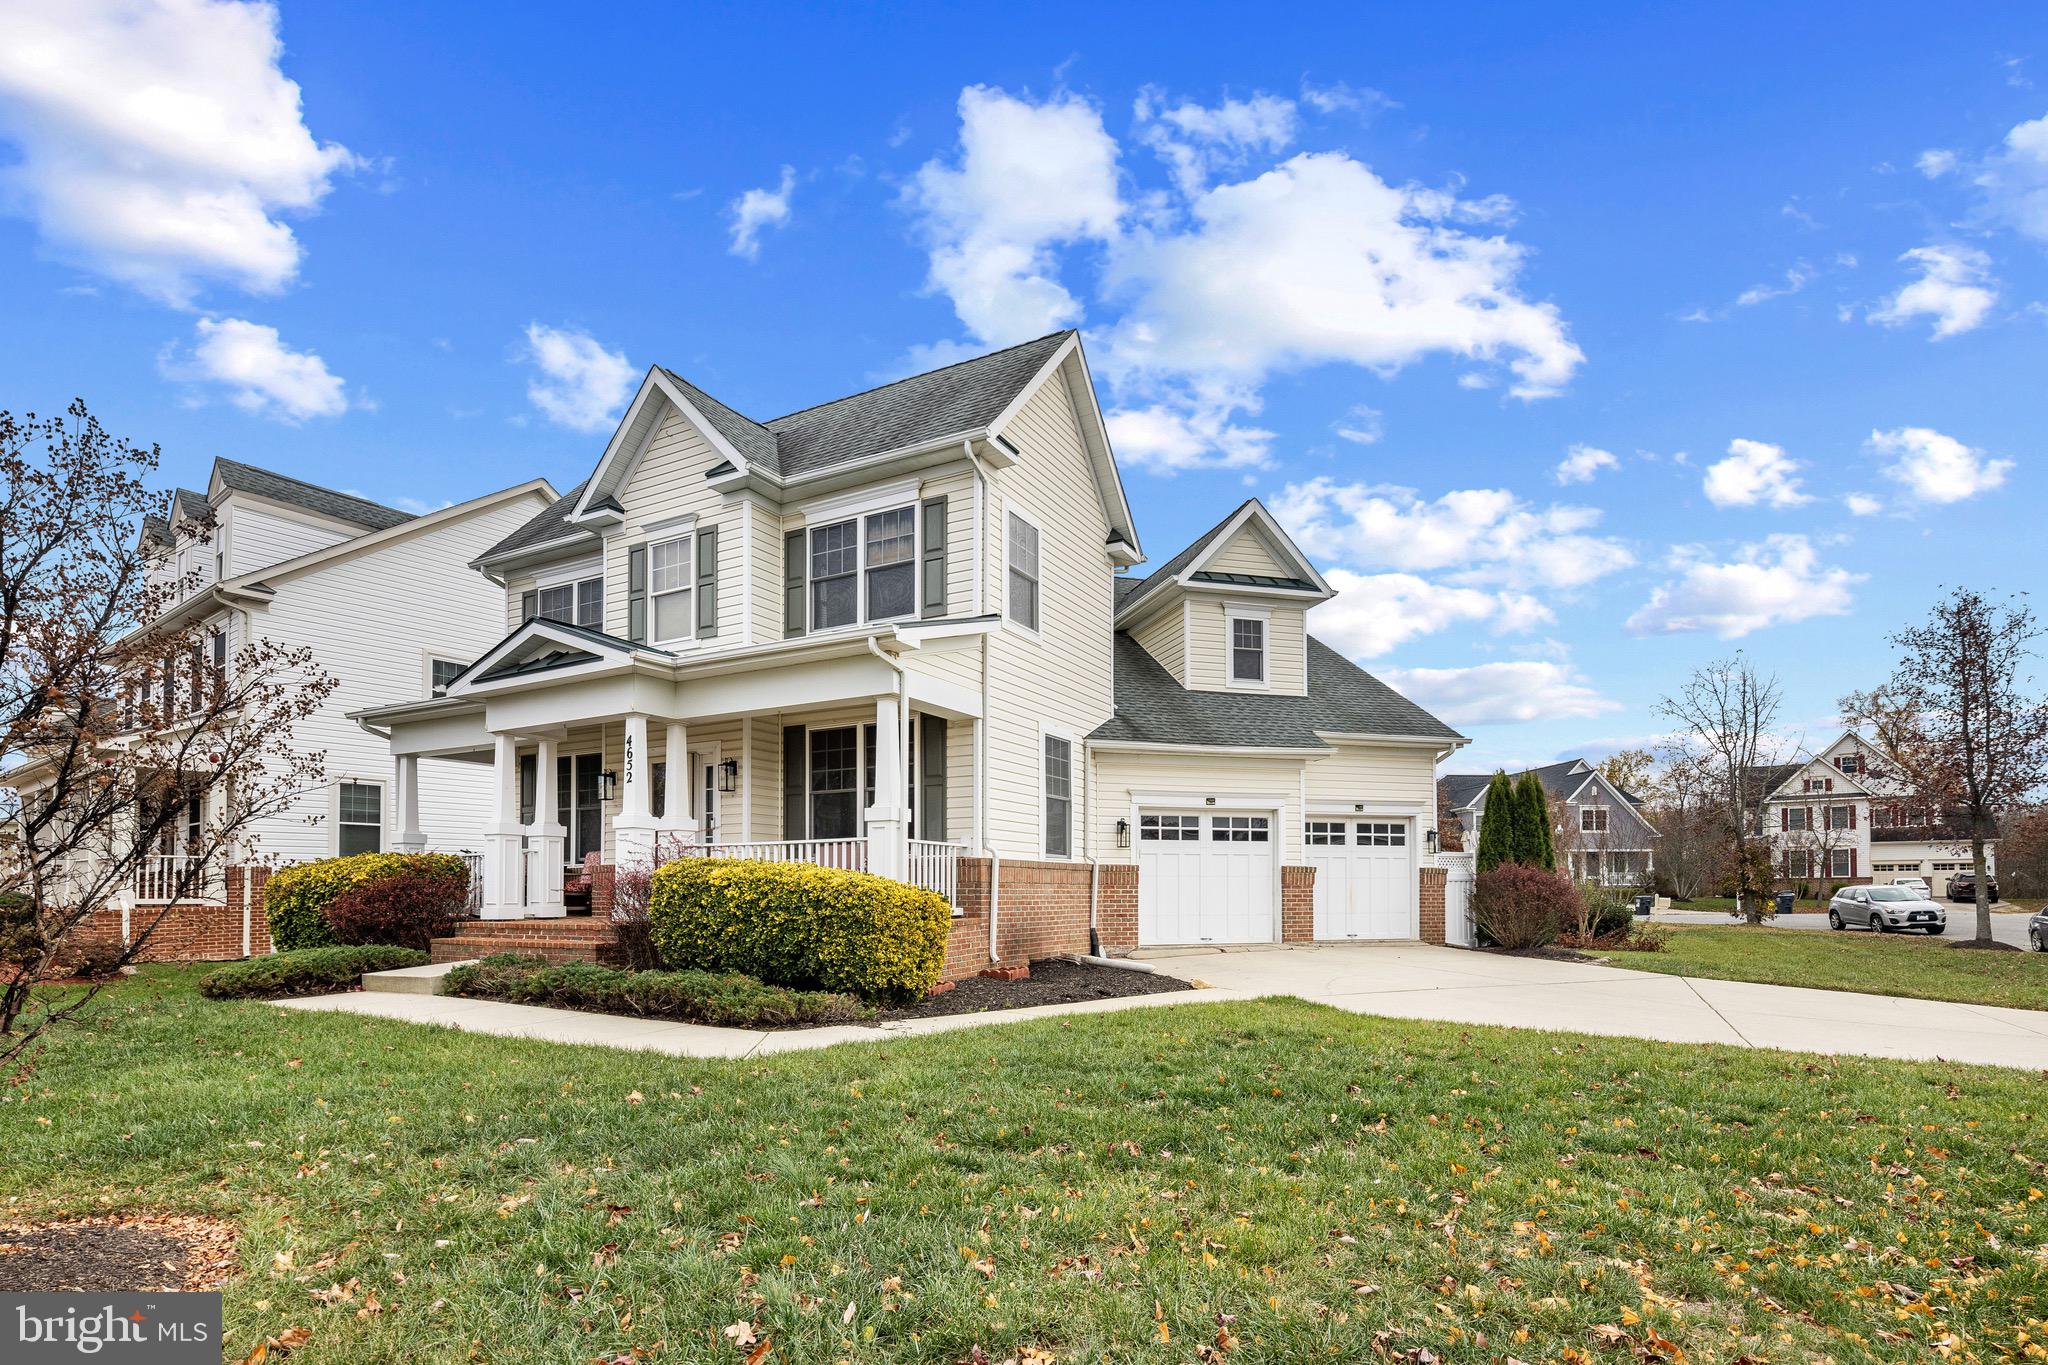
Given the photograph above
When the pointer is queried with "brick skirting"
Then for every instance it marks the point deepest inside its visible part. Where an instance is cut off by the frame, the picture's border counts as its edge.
(186, 931)
(1432, 904)
(1297, 904)
(1041, 911)
(580, 938)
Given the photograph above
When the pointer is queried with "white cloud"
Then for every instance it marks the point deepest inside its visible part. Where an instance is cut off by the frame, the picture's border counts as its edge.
(1344, 98)
(158, 141)
(1934, 467)
(1167, 439)
(580, 385)
(1955, 288)
(1030, 177)
(1754, 472)
(1360, 426)
(1374, 613)
(1863, 504)
(1582, 462)
(2014, 180)
(1777, 581)
(1500, 693)
(758, 209)
(1935, 162)
(1796, 278)
(1481, 535)
(259, 372)
(1215, 288)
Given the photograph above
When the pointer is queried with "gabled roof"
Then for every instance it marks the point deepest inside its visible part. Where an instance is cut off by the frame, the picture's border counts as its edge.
(1560, 781)
(539, 645)
(1153, 708)
(237, 477)
(1140, 587)
(1190, 564)
(550, 524)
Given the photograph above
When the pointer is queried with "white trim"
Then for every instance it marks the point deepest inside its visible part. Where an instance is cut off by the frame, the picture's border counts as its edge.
(670, 527)
(1074, 805)
(1223, 803)
(384, 811)
(1094, 434)
(1023, 514)
(1239, 611)
(1146, 746)
(430, 657)
(859, 520)
(573, 572)
(1276, 535)
(654, 382)
(1187, 639)
(669, 533)
(859, 502)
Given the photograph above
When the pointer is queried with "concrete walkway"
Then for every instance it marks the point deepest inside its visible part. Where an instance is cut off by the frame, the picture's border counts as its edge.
(1404, 981)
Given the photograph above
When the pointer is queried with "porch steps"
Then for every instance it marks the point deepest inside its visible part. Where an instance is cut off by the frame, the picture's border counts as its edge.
(575, 939)
(410, 980)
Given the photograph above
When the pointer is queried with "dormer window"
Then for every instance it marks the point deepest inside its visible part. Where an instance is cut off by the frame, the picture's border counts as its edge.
(1247, 650)
(1850, 763)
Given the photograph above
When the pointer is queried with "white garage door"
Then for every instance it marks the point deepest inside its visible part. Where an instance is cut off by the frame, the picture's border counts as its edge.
(1205, 878)
(1365, 879)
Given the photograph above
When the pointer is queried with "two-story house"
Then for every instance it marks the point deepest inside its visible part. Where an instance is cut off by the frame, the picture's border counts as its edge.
(385, 603)
(1601, 833)
(1846, 815)
(890, 632)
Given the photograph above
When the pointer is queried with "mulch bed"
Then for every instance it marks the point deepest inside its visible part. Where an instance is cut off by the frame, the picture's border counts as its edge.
(1055, 981)
(136, 1253)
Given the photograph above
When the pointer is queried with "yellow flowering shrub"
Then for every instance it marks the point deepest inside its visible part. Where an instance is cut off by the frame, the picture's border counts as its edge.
(296, 899)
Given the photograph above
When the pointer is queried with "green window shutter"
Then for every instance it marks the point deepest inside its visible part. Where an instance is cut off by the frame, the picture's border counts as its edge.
(707, 582)
(933, 571)
(529, 606)
(636, 594)
(794, 825)
(793, 564)
(931, 778)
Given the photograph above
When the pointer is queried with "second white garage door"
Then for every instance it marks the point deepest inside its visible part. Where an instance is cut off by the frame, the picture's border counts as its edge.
(1365, 879)
(1205, 878)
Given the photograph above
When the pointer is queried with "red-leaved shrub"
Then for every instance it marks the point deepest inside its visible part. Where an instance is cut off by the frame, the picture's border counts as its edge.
(405, 909)
(1518, 907)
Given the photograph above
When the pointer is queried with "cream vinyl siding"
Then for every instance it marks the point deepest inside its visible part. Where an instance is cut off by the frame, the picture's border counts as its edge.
(667, 483)
(368, 619)
(1392, 774)
(956, 486)
(951, 661)
(1062, 679)
(1165, 637)
(253, 536)
(1209, 648)
(764, 569)
(515, 596)
(1245, 552)
(1196, 775)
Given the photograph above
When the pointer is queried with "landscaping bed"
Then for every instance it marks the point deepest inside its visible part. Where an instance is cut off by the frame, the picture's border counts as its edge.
(720, 999)
(1053, 981)
(138, 1253)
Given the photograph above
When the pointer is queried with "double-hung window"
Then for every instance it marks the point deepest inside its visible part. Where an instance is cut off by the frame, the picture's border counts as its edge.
(1247, 649)
(891, 554)
(573, 604)
(1021, 601)
(670, 580)
(835, 575)
(1059, 796)
(360, 828)
(835, 783)
(1593, 819)
(864, 568)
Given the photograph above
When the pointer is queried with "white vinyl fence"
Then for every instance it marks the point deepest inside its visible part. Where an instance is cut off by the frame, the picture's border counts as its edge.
(1457, 898)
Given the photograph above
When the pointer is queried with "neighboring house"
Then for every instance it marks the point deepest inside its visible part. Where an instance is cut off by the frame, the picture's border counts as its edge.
(888, 632)
(1601, 833)
(1846, 816)
(384, 601)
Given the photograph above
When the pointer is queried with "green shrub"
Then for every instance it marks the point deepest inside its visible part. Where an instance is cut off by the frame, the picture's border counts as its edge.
(20, 936)
(305, 971)
(296, 900)
(792, 924)
(1609, 910)
(725, 999)
(1518, 908)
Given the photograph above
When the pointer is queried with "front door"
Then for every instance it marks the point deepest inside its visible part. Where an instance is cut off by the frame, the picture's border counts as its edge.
(577, 805)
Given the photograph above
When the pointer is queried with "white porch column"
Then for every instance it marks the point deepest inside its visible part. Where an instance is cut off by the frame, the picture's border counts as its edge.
(405, 786)
(679, 787)
(546, 841)
(885, 817)
(633, 829)
(504, 870)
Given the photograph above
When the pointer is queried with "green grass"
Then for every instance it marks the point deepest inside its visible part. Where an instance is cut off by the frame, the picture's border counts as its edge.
(1101, 1187)
(1882, 964)
(1726, 904)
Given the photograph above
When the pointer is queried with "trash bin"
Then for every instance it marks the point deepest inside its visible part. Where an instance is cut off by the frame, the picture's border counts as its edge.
(1786, 900)
(1644, 905)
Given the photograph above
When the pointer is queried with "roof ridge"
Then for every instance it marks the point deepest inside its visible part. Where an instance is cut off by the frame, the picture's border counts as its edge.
(316, 487)
(685, 379)
(921, 374)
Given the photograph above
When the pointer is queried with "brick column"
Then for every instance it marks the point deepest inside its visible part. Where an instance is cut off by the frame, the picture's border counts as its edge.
(1432, 903)
(1297, 904)
(601, 887)
(1116, 906)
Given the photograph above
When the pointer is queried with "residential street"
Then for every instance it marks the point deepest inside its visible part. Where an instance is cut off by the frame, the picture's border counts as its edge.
(2006, 927)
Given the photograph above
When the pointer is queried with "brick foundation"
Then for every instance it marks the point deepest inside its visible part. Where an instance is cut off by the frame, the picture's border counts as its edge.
(1042, 911)
(1297, 904)
(1116, 906)
(577, 939)
(1432, 904)
(185, 931)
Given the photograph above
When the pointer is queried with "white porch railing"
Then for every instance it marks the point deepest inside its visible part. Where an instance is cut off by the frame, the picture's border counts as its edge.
(172, 876)
(475, 863)
(936, 867)
(851, 854)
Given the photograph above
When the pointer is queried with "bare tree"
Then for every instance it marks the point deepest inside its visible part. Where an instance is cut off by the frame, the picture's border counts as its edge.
(1450, 831)
(138, 750)
(1727, 715)
(1680, 806)
(1960, 720)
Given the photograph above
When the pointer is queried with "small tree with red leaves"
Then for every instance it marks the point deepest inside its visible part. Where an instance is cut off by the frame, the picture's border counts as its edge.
(139, 750)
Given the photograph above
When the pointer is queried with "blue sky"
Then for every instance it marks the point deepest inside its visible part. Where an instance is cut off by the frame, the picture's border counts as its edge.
(1584, 346)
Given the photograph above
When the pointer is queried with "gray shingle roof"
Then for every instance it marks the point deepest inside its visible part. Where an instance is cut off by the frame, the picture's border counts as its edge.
(753, 441)
(550, 523)
(263, 483)
(1139, 587)
(1558, 781)
(1152, 708)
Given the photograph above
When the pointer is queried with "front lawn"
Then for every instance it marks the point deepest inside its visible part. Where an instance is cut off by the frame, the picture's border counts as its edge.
(1882, 964)
(1267, 1182)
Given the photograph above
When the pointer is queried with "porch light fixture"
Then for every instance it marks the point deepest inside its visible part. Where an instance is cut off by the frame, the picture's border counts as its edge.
(607, 785)
(1429, 838)
(1123, 834)
(729, 776)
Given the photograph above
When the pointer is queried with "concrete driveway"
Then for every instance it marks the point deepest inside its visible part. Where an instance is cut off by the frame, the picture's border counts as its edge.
(1414, 981)
(2007, 926)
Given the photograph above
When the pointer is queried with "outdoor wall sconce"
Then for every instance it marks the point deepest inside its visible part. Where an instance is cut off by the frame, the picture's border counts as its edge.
(729, 776)
(607, 785)
(1123, 834)
(1429, 838)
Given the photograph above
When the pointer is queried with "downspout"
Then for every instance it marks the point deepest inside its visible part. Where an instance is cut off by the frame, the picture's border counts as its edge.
(995, 866)
(980, 524)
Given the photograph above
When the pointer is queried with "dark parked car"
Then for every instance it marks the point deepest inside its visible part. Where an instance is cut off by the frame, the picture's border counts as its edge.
(1962, 886)
(2037, 930)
